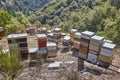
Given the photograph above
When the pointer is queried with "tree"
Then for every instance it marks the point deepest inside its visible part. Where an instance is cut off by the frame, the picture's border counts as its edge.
(5, 18)
(22, 19)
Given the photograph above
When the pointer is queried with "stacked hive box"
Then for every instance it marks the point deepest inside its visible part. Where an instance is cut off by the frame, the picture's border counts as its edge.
(84, 44)
(42, 45)
(52, 50)
(30, 30)
(66, 41)
(18, 44)
(33, 53)
(1, 32)
(62, 35)
(72, 34)
(43, 31)
(49, 31)
(57, 34)
(76, 44)
(50, 36)
(94, 48)
(106, 54)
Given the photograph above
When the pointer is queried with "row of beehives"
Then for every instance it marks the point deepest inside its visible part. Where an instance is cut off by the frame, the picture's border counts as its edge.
(18, 44)
(34, 30)
(93, 48)
(1, 32)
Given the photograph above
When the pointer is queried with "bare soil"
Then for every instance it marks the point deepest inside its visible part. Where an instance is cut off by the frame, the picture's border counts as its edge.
(66, 70)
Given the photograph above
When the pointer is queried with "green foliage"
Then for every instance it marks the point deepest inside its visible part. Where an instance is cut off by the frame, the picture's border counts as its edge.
(94, 15)
(26, 6)
(10, 66)
(13, 24)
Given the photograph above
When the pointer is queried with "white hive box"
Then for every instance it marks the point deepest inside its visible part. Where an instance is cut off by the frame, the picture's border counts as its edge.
(107, 49)
(92, 58)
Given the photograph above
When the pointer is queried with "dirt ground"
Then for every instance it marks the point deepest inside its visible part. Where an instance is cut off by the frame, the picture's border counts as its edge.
(67, 70)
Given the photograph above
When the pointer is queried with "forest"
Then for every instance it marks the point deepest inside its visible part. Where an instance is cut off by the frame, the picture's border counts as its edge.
(100, 16)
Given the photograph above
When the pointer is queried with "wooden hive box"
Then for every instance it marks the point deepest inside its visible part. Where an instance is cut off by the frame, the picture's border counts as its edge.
(42, 40)
(1, 32)
(72, 33)
(52, 50)
(33, 53)
(66, 41)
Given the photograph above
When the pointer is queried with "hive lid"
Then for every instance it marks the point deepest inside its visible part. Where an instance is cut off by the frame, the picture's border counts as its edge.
(109, 45)
(88, 33)
(41, 35)
(78, 34)
(33, 50)
(51, 44)
(44, 29)
(16, 36)
(66, 38)
(63, 33)
(57, 29)
(99, 38)
(73, 30)
(1, 28)
(49, 31)
(50, 34)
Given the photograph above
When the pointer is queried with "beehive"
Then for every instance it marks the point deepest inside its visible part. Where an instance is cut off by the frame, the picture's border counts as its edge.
(18, 42)
(31, 30)
(106, 52)
(76, 44)
(43, 31)
(72, 33)
(84, 43)
(51, 50)
(42, 45)
(1, 32)
(42, 40)
(33, 53)
(50, 36)
(94, 48)
(57, 34)
(66, 41)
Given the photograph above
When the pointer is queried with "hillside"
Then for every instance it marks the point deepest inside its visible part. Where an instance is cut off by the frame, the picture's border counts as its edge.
(26, 6)
(93, 15)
